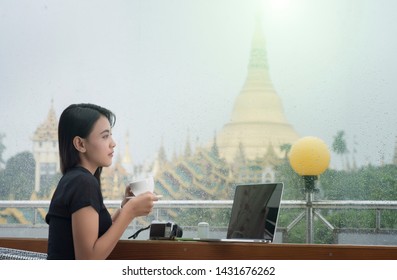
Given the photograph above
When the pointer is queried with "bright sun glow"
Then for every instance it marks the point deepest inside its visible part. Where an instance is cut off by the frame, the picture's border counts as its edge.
(279, 5)
(277, 9)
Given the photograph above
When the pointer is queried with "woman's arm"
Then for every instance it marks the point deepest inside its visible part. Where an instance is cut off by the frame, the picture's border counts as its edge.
(85, 224)
(115, 215)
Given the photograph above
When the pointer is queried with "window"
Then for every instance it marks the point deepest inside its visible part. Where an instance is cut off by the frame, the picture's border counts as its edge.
(208, 95)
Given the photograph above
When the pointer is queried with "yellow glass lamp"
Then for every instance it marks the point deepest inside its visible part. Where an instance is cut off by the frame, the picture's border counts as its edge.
(309, 157)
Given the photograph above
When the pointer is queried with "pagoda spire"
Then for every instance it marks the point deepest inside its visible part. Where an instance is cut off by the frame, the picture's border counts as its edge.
(258, 100)
(48, 130)
(257, 117)
(162, 156)
(214, 148)
(126, 161)
(258, 54)
(188, 148)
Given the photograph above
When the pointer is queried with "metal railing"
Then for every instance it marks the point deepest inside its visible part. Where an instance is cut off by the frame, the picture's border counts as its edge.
(315, 206)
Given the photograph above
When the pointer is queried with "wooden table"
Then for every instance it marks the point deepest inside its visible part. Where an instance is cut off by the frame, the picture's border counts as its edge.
(192, 250)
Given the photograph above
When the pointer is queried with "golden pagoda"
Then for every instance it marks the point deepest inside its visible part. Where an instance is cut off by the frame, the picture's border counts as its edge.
(246, 150)
(258, 122)
(126, 161)
(45, 149)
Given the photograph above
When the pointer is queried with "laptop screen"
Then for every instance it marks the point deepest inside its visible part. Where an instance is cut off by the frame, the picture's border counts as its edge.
(255, 211)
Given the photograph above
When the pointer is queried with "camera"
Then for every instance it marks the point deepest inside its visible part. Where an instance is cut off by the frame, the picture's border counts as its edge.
(164, 231)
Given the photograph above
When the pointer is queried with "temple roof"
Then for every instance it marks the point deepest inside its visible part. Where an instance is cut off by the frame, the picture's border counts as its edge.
(48, 130)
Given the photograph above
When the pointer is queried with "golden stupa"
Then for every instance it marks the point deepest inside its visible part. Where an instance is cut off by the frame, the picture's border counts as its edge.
(258, 122)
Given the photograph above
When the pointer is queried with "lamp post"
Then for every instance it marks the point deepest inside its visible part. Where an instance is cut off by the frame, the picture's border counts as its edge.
(309, 157)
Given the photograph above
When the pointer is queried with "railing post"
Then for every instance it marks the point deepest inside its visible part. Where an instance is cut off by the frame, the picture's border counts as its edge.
(378, 219)
(309, 217)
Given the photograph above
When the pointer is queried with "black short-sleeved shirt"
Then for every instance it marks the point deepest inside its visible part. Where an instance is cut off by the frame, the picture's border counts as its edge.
(77, 188)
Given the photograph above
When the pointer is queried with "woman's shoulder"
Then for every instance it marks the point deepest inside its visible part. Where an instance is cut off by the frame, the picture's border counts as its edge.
(79, 174)
(76, 189)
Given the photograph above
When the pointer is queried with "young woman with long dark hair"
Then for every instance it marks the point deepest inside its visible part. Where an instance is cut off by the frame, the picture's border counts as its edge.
(80, 226)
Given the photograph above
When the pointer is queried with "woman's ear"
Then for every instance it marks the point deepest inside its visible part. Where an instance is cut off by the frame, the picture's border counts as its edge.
(79, 144)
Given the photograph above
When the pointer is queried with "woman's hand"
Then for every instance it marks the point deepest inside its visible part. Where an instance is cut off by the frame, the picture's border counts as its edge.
(140, 205)
(127, 196)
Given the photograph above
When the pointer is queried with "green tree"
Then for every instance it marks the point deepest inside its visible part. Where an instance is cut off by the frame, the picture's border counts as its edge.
(3, 192)
(2, 149)
(366, 183)
(48, 184)
(339, 145)
(293, 183)
(18, 177)
(285, 148)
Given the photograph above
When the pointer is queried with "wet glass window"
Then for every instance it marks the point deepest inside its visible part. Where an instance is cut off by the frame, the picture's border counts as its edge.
(210, 95)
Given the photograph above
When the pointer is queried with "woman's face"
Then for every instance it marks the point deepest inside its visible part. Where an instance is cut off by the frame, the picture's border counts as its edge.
(99, 145)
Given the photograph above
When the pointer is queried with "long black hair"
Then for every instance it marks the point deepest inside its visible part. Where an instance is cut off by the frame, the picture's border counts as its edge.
(78, 120)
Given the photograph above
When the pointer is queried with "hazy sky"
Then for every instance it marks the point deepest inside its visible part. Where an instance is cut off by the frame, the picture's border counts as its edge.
(166, 67)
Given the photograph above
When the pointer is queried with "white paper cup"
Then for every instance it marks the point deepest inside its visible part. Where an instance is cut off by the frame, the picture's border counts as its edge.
(142, 186)
(203, 230)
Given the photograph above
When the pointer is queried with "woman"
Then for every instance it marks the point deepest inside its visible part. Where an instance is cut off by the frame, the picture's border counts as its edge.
(80, 226)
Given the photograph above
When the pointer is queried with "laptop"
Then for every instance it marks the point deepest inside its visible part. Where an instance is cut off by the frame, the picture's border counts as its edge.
(254, 214)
